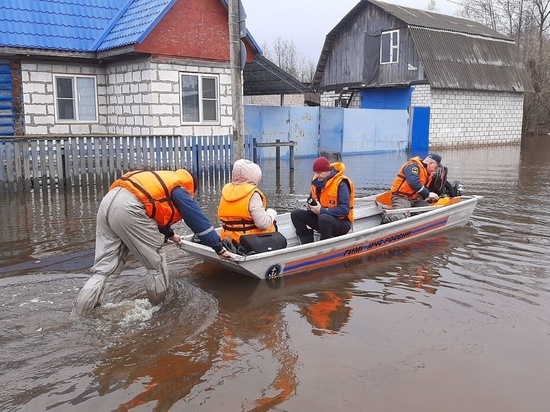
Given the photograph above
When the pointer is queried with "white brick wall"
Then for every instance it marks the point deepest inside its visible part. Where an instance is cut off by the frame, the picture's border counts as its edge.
(138, 98)
(471, 118)
(328, 99)
(275, 100)
(421, 95)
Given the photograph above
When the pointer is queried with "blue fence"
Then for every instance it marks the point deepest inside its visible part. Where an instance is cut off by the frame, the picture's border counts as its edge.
(27, 163)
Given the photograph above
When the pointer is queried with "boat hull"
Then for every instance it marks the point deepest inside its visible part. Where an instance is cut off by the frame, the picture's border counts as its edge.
(368, 236)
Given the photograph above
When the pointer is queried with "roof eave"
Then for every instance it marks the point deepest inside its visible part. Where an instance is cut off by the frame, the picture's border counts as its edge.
(26, 52)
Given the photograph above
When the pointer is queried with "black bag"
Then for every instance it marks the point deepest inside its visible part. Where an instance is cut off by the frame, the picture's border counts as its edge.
(263, 242)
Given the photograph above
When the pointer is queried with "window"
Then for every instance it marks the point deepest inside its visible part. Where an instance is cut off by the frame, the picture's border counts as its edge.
(199, 99)
(389, 47)
(75, 98)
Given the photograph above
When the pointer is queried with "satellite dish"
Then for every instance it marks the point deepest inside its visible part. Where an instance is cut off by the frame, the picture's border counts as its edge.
(243, 55)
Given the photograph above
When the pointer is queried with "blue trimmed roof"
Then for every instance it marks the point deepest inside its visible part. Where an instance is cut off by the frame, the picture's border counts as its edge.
(78, 25)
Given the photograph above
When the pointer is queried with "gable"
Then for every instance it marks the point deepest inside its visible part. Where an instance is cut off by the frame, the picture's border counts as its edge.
(193, 29)
(66, 27)
(445, 51)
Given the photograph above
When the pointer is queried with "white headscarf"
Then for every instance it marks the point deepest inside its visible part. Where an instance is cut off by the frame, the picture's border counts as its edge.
(246, 171)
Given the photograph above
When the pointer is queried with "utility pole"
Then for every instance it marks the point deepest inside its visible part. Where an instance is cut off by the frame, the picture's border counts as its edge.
(237, 65)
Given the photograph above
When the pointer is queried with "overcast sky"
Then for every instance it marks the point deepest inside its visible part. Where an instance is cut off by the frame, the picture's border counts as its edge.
(307, 22)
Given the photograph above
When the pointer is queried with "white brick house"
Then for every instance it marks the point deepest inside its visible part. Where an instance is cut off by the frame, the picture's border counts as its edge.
(135, 70)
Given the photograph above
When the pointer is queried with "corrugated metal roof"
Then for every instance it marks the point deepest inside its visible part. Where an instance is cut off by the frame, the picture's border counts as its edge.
(77, 25)
(470, 62)
(264, 77)
(136, 23)
(422, 18)
(82, 25)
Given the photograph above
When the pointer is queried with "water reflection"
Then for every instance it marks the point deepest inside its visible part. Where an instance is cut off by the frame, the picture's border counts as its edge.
(460, 301)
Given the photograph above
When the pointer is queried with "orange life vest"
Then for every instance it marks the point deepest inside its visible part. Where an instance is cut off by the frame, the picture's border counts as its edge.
(154, 189)
(329, 194)
(234, 214)
(400, 185)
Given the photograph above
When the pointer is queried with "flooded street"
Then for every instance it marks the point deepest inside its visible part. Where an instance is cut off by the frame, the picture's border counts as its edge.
(459, 322)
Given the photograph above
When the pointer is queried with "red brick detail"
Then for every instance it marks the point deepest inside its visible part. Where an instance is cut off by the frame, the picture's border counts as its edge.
(196, 29)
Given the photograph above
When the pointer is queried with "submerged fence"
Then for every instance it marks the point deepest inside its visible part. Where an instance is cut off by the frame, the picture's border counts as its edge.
(27, 163)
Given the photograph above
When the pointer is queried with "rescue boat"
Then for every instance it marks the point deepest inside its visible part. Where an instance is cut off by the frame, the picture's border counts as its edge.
(367, 236)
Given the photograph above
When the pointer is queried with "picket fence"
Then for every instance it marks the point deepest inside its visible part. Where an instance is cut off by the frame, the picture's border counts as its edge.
(27, 163)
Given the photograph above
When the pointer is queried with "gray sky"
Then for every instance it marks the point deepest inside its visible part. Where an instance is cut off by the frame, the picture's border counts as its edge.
(307, 22)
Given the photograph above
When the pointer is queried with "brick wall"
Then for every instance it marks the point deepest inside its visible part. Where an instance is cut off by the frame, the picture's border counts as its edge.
(328, 99)
(38, 99)
(135, 98)
(275, 100)
(470, 118)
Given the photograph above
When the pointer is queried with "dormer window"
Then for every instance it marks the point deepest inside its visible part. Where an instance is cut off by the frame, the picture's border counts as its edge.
(389, 47)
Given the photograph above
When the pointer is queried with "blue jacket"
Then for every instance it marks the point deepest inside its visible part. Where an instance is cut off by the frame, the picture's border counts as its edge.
(194, 217)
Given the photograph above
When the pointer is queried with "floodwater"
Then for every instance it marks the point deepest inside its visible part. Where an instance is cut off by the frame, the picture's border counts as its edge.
(460, 322)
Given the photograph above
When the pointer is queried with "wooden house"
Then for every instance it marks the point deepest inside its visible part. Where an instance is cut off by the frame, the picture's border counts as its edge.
(464, 80)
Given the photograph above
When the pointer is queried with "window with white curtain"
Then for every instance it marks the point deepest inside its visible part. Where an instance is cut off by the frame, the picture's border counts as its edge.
(389, 47)
(199, 99)
(75, 98)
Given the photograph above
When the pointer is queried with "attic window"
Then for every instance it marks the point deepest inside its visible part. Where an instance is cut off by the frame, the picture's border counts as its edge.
(75, 99)
(389, 47)
(200, 98)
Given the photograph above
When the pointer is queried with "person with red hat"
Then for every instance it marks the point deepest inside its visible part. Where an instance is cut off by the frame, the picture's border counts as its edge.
(330, 204)
(410, 188)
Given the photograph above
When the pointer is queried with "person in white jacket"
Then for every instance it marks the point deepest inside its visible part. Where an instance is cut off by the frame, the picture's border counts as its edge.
(242, 209)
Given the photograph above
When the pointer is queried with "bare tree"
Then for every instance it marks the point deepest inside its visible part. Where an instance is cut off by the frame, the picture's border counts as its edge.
(283, 53)
(432, 6)
(482, 11)
(528, 23)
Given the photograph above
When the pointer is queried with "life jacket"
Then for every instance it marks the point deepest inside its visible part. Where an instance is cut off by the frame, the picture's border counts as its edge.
(400, 185)
(234, 214)
(329, 193)
(154, 190)
(329, 313)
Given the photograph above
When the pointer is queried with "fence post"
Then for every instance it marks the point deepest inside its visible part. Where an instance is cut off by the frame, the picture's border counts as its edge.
(254, 151)
(196, 155)
(277, 155)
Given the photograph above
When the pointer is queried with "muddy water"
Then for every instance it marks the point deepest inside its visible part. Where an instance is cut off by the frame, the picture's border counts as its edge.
(457, 322)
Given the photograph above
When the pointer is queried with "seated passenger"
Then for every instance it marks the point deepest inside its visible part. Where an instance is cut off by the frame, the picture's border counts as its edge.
(330, 206)
(410, 188)
(242, 209)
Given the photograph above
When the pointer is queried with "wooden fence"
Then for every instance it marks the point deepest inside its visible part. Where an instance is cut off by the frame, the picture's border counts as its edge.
(27, 163)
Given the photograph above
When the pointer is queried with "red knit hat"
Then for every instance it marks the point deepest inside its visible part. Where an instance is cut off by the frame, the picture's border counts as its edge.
(321, 164)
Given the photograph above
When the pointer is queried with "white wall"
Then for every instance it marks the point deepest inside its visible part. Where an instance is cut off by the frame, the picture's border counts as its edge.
(275, 100)
(141, 97)
(469, 118)
(38, 98)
